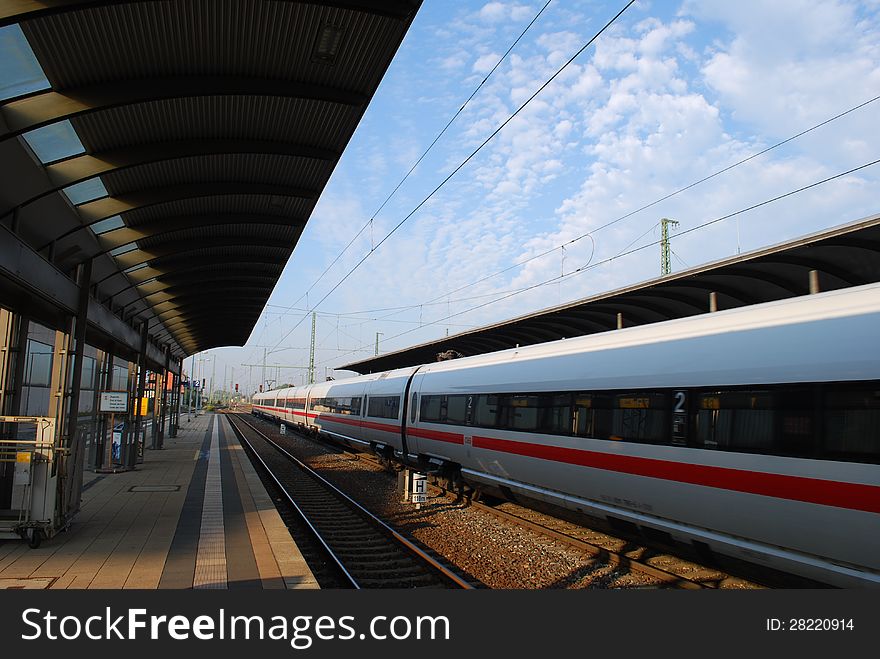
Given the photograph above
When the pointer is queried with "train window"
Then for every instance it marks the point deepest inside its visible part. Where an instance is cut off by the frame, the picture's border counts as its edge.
(444, 409)
(414, 404)
(456, 410)
(641, 417)
(431, 407)
(486, 411)
(521, 412)
(556, 414)
(852, 425)
(345, 405)
(830, 421)
(737, 420)
(383, 407)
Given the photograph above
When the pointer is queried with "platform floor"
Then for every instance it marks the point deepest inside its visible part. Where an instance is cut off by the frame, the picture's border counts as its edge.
(193, 515)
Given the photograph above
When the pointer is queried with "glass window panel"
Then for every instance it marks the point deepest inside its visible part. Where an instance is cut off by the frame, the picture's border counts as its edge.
(124, 249)
(456, 409)
(383, 407)
(110, 224)
(120, 378)
(486, 411)
(135, 268)
(430, 409)
(54, 142)
(86, 191)
(852, 425)
(38, 368)
(87, 381)
(20, 72)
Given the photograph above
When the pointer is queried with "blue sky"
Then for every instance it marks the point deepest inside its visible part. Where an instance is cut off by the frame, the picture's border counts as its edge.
(672, 93)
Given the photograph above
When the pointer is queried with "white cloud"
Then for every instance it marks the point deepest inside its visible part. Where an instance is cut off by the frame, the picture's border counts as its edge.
(659, 103)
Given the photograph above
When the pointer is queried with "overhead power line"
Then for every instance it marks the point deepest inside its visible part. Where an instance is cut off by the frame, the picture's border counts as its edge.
(425, 153)
(627, 252)
(464, 162)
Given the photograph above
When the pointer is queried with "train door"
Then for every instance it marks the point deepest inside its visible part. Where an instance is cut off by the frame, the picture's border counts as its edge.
(410, 419)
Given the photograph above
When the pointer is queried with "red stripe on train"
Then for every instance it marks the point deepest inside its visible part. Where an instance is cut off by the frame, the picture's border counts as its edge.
(854, 496)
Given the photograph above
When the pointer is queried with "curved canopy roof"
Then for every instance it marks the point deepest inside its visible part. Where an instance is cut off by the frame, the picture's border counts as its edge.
(848, 255)
(208, 130)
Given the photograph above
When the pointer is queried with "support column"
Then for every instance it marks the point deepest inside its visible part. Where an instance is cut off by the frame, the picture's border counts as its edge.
(163, 387)
(7, 349)
(105, 430)
(178, 396)
(71, 488)
(14, 406)
(10, 357)
(174, 406)
(131, 438)
(140, 394)
(59, 378)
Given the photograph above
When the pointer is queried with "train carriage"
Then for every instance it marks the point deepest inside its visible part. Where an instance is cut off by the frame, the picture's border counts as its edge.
(753, 432)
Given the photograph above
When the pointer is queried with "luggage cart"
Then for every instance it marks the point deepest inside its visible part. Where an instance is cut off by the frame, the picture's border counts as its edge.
(29, 444)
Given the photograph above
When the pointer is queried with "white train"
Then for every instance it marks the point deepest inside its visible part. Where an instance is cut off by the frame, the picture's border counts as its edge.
(752, 433)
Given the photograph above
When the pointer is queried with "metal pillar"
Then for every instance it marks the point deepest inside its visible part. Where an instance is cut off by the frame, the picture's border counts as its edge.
(12, 372)
(312, 350)
(665, 249)
(141, 394)
(175, 401)
(7, 349)
(163, 386)
(71, 486)
(21, 339)
(131, 437)
(814, 282)
(105, 434)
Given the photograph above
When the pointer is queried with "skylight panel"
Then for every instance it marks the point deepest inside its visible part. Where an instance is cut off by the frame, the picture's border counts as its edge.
(110, 224)
(135, 268)
(20, 72)
(124, 249)
(54, 142)
(80, 193)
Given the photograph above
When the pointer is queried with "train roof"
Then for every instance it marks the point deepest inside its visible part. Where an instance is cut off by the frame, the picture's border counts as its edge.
(855, 301)
(840, 257)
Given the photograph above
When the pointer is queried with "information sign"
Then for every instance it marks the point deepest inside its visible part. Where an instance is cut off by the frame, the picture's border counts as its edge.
(113, 402)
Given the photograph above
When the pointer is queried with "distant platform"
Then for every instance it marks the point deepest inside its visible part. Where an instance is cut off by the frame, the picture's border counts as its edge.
(193, 515)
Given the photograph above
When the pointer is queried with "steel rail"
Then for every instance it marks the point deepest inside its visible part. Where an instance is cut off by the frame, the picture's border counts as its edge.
(444, 572)
(317, 535)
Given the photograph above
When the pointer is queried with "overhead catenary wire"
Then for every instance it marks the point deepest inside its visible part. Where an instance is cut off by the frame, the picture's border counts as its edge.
(652, 203)
(443, 298)
(627, 252)
(436, 139)
(458, 168)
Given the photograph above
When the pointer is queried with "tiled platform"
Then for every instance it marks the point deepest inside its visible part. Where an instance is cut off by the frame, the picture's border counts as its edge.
(193, 515)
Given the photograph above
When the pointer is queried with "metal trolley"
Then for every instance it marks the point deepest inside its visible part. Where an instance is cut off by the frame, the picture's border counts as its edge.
(29, 444)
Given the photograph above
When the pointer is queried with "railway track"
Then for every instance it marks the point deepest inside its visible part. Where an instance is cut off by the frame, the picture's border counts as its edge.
(365, 552)
(664, 570)
(520, 517)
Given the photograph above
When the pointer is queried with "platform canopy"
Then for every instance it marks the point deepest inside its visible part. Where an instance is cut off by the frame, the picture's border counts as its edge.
(179, 147)
(848, 255)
